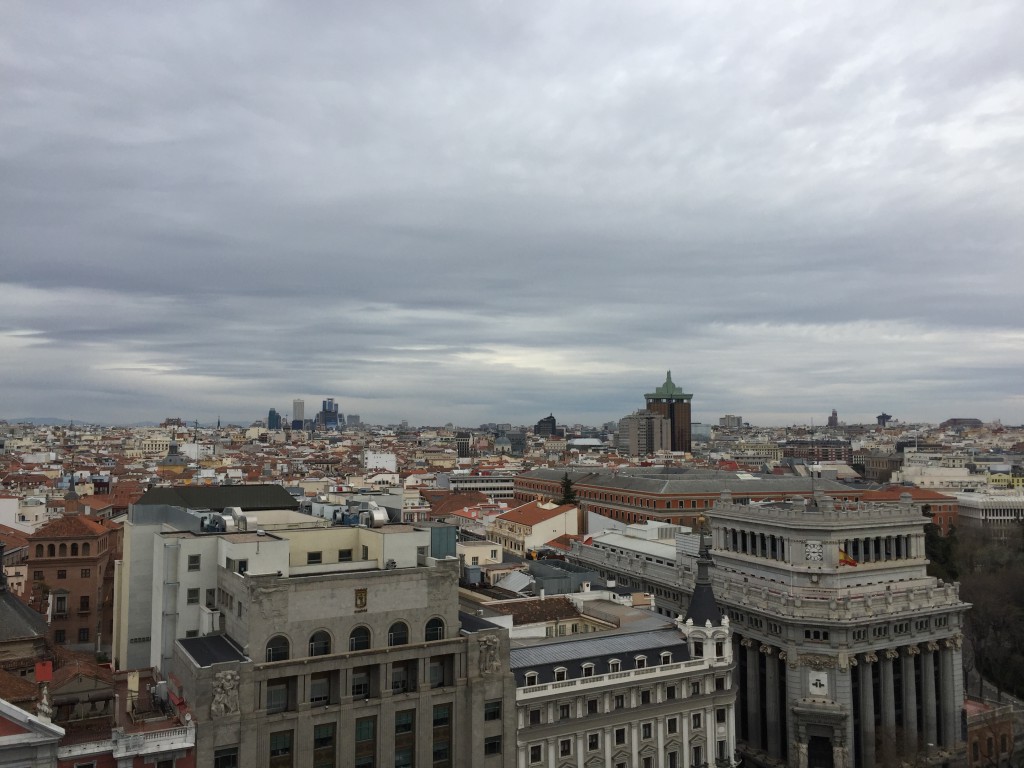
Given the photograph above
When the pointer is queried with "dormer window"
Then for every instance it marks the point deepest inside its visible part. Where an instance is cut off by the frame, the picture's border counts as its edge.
(641, 662)
(614, 665)
(560, 674)
(531, 678)
(666, 657)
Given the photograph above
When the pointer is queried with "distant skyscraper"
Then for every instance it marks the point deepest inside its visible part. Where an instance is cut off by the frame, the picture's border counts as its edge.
(833, 420)
(329, 416)
(298, 409)
(273, 419)
(883, 419)
(729, 421)
(546, 427)
(671, 402)
(353, 420)
(644, 432)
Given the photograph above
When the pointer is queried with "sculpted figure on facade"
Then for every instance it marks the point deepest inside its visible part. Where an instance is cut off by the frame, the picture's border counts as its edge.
(489, 655)
(225, 694)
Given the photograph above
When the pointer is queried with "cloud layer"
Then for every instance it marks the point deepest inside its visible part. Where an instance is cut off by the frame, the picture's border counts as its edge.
(488, 211)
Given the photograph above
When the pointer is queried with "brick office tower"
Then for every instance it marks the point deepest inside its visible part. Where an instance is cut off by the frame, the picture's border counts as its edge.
(671, 402)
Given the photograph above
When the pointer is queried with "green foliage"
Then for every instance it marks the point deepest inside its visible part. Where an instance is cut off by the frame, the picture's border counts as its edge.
(568, 492)
(991, 571)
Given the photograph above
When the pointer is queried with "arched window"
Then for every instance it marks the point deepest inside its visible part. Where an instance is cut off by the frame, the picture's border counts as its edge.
(85, 549)
(39, 550)
(359, 639)
(435, 629)
(74, 549)
(531, 678)
(319, 643)
(398, 633)
(63, 550)
(278, 648)
(51, 551)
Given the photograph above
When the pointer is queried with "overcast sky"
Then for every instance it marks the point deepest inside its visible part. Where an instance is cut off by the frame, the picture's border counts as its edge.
(476, 212)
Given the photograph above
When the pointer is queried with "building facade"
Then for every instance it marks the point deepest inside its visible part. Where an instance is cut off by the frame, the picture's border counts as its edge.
(70, 565)
(848, 652)
(385, 678)
(671, 402)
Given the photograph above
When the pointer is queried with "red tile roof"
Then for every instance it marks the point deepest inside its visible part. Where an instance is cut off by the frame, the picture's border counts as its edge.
(69, 526)
(533, 513)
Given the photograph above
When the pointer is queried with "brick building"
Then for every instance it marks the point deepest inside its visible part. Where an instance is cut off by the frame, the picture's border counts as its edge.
(70, 565)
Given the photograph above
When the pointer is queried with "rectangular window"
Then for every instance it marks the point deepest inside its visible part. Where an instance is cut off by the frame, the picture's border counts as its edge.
(314, 558)
(226, 757)
(593, 741)
(645, 697)
(563, 711)
(192, 597)
(280, 749)
(83, 603)
(534, 717)
(565, 748)
(83, 635)
(536, 753)
(193, 565)
(320, 688)
(192, 633)
(695, 689)
(366, 729)
(344, 555)
(672, 725)
(695, 721)
(492, 710)
(492, 745)
(620, 701)
(365, 552)
(670, 692)
(58, 637)
(620, 735)
(592, 706)
(277, 695)
(720, 715)
(646, 729)
(242, 566)
(323, 736)
(403, 758)
(37, 575)
(62, 574)
(404, 721)
(442, 715)
(85, 573)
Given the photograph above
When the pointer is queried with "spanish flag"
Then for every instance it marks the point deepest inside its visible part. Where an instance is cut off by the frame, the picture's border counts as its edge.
(845, 559)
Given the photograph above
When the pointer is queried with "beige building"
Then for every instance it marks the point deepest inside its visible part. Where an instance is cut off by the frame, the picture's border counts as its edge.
(382, 678)
(531, 526)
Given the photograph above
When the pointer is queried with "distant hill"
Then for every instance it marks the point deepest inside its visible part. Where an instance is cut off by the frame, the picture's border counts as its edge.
(49, 421)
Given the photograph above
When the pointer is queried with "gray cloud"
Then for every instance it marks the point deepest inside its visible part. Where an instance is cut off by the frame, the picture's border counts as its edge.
(488, 211)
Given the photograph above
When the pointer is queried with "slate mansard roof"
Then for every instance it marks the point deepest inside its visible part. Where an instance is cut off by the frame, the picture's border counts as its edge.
(596, 650)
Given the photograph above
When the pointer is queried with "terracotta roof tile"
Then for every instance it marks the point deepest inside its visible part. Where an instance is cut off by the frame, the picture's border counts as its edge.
(533, 513)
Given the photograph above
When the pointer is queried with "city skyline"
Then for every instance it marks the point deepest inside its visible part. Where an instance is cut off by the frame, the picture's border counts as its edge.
(463, 212)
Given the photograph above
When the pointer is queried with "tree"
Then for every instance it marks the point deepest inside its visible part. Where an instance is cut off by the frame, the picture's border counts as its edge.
(568, 492)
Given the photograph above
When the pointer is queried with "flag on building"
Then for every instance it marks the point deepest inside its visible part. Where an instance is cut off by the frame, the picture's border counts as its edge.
(845, 559)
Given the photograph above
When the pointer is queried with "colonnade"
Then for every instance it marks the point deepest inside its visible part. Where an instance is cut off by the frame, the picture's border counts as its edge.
(895, 700)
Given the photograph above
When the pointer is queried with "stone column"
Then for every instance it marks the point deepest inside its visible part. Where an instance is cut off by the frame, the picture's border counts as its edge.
(928, 692)
(753, 693)
(888, 704)
(867, 711)
(910, 740)
(771, 683)
(950, 713)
